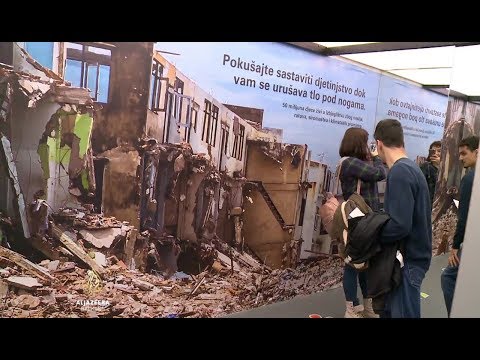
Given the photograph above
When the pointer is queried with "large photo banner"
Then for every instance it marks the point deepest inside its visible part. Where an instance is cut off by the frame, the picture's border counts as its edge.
(307, 101)
(462, 120)
(312, 98)
(421, 112)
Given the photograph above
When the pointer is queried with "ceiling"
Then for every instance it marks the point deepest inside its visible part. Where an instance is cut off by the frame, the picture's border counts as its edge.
(439, 66)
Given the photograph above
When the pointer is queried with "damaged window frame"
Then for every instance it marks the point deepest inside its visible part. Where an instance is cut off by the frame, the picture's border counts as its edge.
(156, 85)
(210, 122)
(174, 112)
(238, 143)
(88, 57)
(317, 219)
(225, 135)
(193, 119)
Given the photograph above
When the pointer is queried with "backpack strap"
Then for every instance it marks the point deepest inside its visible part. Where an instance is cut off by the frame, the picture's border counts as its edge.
(338, 172)
(359, 183)
(344, 216)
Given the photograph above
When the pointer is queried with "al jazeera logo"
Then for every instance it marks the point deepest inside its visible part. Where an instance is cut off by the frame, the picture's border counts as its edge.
(93, 285)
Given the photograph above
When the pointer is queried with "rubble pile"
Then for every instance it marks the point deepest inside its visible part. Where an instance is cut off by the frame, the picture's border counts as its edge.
(97, 266)
(443, 231)
(309, 277)
(80, 292)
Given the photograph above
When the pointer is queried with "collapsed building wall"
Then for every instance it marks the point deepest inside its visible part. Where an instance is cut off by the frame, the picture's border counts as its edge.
(120, 125)
(46, 128)
(54, 152)
(272, 209)
(310, 226)
(122, 120)
(120, 184)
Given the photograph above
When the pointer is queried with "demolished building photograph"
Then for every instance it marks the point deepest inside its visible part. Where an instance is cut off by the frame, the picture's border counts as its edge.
(185, 180)
(128, 190)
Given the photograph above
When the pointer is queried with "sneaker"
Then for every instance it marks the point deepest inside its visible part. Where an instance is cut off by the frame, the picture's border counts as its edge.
(351, 311)
(368, 309)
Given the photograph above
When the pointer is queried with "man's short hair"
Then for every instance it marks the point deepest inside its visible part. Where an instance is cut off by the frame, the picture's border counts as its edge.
(390, 132)
(470, 142)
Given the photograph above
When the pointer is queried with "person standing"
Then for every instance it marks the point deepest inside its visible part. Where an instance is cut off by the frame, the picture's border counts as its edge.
(359, 165)
(407, 201)
(468, 153)
(430, 167)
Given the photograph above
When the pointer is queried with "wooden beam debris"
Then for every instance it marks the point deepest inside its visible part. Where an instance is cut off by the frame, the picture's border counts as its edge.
(60, 235)
(26, 264)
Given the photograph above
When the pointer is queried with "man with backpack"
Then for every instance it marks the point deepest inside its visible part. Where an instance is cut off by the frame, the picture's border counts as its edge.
(407, 202)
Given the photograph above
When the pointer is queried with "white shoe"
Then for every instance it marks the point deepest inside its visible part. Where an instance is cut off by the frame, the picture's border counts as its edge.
(351, 311)
(368, 309)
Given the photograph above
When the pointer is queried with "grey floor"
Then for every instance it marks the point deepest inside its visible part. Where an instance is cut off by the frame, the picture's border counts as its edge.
(331, 303)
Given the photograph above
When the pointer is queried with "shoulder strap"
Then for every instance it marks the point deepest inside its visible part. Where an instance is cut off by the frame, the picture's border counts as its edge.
(359, 183)
(339, 171)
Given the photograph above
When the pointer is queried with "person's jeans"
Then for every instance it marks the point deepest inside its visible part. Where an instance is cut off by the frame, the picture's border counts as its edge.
(448, 281)
(350, 276)
(404, 301)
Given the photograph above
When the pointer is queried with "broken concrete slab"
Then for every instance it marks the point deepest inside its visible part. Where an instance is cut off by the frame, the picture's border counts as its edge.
(226, 261)
(142, 285)
(100, 259)
(101, 238)
(24, 282)
(53, 265)
(26, 302)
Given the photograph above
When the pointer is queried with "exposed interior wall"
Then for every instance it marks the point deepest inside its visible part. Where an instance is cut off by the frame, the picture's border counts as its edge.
(155, 125)
(25, 150)
(280, 174)
(188, 226)
(309, 233)
(284, 196)
(120, 185)
(65, 156)
(123, 119)
(309, 221)
(262, 232)
(252, 114)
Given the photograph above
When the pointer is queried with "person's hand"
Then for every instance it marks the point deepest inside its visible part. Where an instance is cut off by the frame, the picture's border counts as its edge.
(374, 152)
(453, 258)
(435, 159)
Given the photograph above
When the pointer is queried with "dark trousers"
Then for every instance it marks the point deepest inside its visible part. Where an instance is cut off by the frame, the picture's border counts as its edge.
(350, 276)
(448, 281)
(404, 301)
